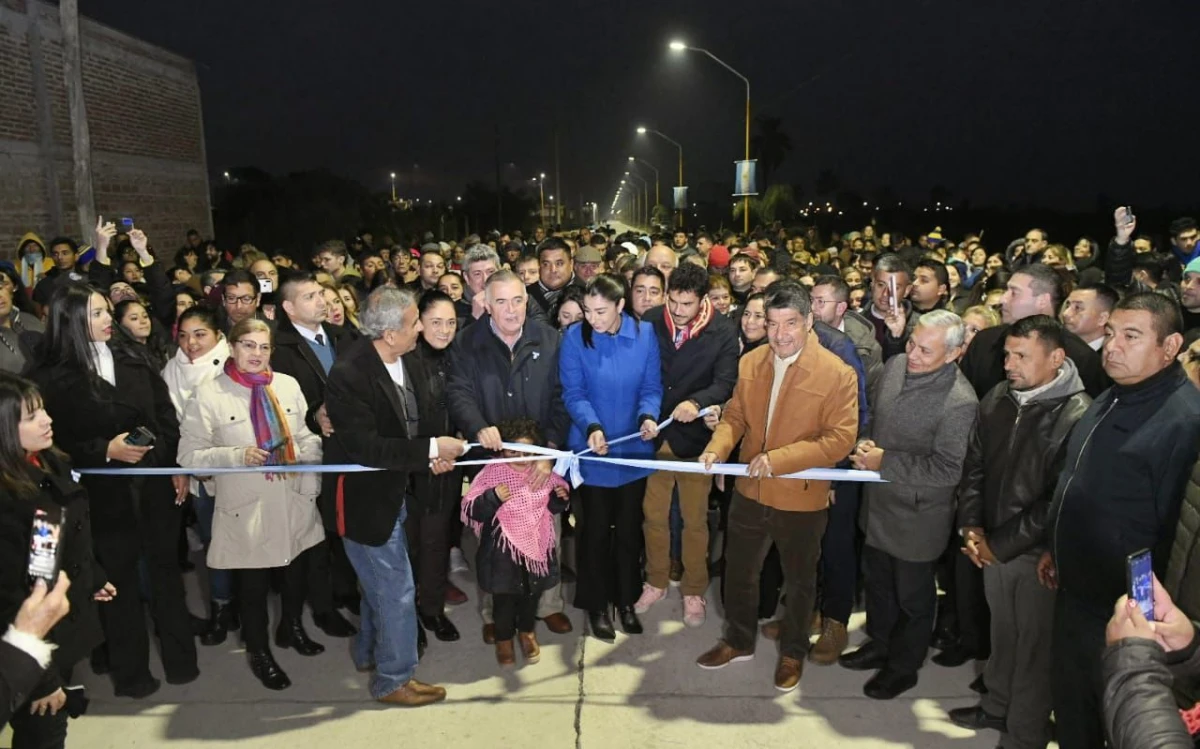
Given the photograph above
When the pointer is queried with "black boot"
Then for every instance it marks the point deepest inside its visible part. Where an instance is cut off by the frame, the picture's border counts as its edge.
(264, 667)
(334, 624)
(601, 625)
(291, 634)
(629, 621)
(218, 623)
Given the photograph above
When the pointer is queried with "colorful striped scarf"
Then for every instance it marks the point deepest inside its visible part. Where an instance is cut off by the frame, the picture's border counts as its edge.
(703, 317)
(271, 431)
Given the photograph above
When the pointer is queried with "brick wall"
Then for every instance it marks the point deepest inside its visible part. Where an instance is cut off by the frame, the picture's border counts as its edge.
(145, 124)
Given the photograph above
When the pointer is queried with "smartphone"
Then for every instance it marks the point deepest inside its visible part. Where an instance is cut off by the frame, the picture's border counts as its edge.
(127, 222)
(140, 437)
(892, 295)
(1139, 572)
(44, 546)
(1130, 219)
(265, 286)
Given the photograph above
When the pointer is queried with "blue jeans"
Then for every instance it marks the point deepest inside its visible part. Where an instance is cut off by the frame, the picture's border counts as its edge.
(220, 582)
(387, 632)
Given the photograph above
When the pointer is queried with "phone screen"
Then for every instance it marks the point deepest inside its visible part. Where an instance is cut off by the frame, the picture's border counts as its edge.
(1141, 582)
(127, 222)
(895, 303)
(44, 545)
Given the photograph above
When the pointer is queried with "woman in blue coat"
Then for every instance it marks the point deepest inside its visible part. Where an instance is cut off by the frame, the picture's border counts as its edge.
(612, 385)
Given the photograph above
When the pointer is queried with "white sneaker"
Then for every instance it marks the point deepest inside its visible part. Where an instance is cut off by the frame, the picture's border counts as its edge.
(693, 610)
(458, 562)
(650, 596)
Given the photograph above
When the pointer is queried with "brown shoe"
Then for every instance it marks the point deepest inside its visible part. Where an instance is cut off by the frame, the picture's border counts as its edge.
(489, 634)
(559, 624)
(421, 687)
(529, 647)
(455, 595)
(815, 628)
(505, 655)
(787, 673)
(408, 696)
(722, 655)
(829, 647)
(771, 630)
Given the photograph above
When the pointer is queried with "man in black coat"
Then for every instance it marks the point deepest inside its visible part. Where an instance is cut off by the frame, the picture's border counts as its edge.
(501, 368)
(1128, 461)
(24, 652)
(372, 406)
(698, 349)
(556, 271)
(1033, 290)
(304, 348)
(1014, 457)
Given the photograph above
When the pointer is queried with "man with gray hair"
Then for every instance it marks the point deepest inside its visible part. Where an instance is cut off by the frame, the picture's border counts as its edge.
(921, 418)
(505, 367)
(372, 406)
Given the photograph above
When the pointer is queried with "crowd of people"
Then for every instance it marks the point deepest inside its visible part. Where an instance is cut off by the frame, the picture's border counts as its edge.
(1032, 412)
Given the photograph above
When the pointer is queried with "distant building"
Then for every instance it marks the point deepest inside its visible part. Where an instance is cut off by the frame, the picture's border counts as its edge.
(147, 134)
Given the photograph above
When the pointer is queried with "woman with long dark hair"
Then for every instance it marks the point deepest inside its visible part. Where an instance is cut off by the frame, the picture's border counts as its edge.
(36, 484)
(612, 386)
(137, 332)
(434, 503)
(251, 416)
(98, 397)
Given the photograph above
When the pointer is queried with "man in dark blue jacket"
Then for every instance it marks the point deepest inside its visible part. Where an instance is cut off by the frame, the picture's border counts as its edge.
(1127, 463)
(505, 367)
(698, 348)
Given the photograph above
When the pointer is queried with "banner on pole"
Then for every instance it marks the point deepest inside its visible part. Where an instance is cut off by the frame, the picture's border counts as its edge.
(744, 180)
(681, 198)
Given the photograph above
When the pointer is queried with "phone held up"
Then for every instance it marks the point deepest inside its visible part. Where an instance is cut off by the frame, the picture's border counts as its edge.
(1139, 574)
(45, 544)
(140, 437)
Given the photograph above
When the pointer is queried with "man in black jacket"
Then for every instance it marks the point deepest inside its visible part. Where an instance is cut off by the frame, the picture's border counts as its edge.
(698, 348)
(1127, 463)
(505, 367)
(1033, 290)
(373, 409)
(304, 348)
(556, 271)
(1014, 457)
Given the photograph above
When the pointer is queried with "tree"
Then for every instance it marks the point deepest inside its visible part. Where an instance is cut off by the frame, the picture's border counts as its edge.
(770, 145)
(778, 203)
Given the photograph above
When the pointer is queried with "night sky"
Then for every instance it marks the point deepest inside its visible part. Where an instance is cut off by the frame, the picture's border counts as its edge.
(1018, 102)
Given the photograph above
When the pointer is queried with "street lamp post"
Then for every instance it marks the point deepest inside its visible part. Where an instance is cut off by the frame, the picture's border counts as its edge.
(651, 167)
(645, 197)
(393, 187)
(643, 131)
(540, 179)
(678, 46)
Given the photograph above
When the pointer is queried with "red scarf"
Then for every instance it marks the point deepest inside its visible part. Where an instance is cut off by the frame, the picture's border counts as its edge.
(692, 329)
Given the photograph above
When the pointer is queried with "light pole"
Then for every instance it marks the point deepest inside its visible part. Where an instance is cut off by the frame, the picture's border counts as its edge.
(651, 167)
(393, 187)
(540, 179)
(643, 131)
(645, 197)
(678, 46)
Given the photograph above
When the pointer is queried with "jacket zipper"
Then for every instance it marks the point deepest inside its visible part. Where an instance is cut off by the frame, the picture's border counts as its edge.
(1075, 468)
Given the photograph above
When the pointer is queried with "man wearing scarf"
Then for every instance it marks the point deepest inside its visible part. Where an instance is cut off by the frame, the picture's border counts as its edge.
(699, 352)
(556, 271)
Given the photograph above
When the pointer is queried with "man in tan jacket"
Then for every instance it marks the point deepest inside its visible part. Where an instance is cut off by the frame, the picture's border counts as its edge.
(795, 407)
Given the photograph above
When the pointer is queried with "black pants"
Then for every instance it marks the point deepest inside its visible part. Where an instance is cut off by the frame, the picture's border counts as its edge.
(118, 549)
(429, 550)
(963, 613)
(839, 555)
(608, 547)
(1076, 680)
(901, 603)
(514, 613)
(752, 529)
(254, 585)
(38, 731)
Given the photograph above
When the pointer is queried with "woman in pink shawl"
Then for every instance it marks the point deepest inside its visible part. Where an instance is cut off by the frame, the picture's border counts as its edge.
(516, 560)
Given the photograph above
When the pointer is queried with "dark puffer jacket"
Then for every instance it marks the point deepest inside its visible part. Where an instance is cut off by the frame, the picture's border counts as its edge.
(1183, 572)
(1139, 710)
(1014, 457)
(497, 571)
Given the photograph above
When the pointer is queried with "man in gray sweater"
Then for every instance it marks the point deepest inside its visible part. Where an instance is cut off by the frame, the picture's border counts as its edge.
(921, 419)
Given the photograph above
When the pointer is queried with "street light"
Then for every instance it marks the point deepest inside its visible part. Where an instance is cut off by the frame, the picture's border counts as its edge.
(393, 187)
(541, 179)
(679, 46)
(643, 131)
(646, 198)
(651, 167)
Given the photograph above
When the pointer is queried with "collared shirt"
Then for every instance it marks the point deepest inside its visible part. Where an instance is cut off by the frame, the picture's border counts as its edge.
(102, 358)
(511, 346)
(781, 367)
(311, 335)
(1097, 344)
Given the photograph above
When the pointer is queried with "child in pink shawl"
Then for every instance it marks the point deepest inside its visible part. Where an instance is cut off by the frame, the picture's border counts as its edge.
(517, 557)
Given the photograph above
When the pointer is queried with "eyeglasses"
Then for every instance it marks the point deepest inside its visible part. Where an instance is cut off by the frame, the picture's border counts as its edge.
(240, 299)
(252, 347)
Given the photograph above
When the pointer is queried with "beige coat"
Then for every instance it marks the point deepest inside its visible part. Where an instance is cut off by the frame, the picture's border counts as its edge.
(257, 523)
